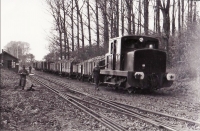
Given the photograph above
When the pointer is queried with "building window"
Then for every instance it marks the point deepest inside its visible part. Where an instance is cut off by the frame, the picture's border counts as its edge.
(13, 64)
(9, 63)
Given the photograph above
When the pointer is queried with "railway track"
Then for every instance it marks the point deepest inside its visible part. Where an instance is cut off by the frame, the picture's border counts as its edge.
(116, 107)
(193, 106)
(101, 118)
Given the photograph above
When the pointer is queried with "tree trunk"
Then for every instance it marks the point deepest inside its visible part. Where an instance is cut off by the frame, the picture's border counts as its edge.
(77, 17)
(122, 15)
(157, 17)
(97, 20)
(117, 15)
(146, 16)
(195, 12)
(68, 54)
(173, 19)
(64, 29)
(81, 22)
(105, 25)
(166, 23)
(154, 17)
(72, 21)
(133, 22)
(191, 10)
(111, 20)
(59, 24)
(82, 32)
(179, 18)
(89, 30)
(182, 14)
(129, 8)
(139, 18)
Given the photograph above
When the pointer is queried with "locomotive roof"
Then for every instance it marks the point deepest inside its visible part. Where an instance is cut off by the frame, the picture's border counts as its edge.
(136, 36)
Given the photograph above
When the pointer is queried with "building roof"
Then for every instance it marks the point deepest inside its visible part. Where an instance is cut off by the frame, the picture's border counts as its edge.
(4, 52)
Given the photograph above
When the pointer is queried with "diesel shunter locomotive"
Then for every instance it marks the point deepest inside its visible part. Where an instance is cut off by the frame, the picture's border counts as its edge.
(132, 62)
(135, 62)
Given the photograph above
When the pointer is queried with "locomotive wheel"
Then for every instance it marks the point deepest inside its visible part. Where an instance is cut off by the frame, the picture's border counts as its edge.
(79, 78)
(130, 90)
(115, 87)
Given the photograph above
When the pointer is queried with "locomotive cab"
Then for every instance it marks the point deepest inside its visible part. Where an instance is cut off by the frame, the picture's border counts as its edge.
(136, 62)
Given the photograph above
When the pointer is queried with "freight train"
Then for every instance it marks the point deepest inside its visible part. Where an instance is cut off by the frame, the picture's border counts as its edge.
(132, 62)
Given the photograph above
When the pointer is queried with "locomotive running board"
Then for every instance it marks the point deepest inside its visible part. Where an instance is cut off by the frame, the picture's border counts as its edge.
(110, 83)
(115, 72)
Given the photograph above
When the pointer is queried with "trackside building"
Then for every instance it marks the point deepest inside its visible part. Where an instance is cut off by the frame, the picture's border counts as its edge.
(9, 61)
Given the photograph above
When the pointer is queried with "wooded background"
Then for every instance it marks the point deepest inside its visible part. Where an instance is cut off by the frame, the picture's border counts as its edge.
(82, 28)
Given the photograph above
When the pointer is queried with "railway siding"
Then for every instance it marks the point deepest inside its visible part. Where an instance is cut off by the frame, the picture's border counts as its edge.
(43, 110)
(171, 123)
(39, 110)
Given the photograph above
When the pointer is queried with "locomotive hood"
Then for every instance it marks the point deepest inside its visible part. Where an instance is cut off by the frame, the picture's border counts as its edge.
(149, 60)
(146, 60)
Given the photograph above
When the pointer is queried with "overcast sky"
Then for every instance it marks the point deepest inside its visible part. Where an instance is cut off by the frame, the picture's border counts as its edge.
(27, 21)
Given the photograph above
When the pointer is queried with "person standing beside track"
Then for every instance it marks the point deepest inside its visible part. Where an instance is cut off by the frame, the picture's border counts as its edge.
(30, 68)
(96, 75)
(23, 73)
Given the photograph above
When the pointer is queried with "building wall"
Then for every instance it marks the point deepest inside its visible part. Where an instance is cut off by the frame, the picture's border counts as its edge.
(10, 62)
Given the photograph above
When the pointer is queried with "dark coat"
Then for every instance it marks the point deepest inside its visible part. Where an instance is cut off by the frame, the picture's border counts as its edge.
(96, 74)
(23, 73)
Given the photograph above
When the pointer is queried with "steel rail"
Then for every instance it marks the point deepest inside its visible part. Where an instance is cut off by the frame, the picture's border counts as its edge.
(194, 107)
(127, 112)
(101, 118)
(125, 105)
(153, 112)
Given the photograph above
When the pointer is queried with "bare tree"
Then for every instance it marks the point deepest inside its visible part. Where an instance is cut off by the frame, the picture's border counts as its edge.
(55, 7)
(139, 17)
(182, 13)
(157, 17)
(20, 50)
(146, 16)
(122, 16)
(166, 22)
(117, 18)
(195, 13)
(129, 5)
(81, 22)
(77, 24)
(64, 30)
(179, 18)
(103, 6)
(97, 23)
(72, 24)
(88, 15)
(173, 19)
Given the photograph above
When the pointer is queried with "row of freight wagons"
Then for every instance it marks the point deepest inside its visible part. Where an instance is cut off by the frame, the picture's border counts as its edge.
(70, 68)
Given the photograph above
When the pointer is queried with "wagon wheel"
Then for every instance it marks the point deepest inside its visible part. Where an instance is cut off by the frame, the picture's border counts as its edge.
(90, 79)
(82, 78)
(79, 78)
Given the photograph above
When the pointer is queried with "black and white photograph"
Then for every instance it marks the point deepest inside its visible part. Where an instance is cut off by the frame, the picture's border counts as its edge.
(100, 65)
